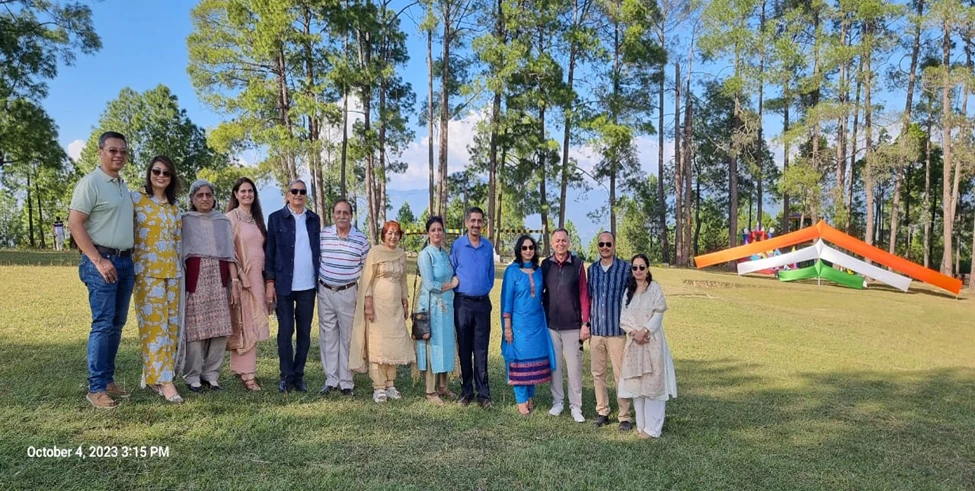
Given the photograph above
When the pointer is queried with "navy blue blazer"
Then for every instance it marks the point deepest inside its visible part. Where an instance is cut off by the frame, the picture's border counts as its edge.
(279, 251)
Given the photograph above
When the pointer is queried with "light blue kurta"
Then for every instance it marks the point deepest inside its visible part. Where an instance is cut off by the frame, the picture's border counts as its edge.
(435, 270)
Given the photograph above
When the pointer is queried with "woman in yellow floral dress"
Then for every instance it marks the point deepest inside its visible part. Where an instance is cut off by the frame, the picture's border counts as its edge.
(155, 256)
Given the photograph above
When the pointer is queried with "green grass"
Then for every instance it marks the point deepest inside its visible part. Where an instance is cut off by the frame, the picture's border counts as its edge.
(781, 387)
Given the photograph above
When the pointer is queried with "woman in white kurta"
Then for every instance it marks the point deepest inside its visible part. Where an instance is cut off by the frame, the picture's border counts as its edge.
(647, 374)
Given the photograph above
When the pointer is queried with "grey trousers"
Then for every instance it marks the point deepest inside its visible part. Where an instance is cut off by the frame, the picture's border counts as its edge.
(203, 360)
(336, 311)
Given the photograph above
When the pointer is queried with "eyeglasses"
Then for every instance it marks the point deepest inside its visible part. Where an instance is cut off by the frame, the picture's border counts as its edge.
(605, 244)
(156, 171)
(638, 268)
(528, 248)
(204, 195)
(296, 192)
(115, 151)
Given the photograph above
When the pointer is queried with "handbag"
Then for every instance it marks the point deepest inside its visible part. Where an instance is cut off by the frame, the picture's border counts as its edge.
(421, 320)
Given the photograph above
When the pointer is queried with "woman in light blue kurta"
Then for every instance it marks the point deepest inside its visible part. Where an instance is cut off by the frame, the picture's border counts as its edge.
(435, 354)
(526, 346)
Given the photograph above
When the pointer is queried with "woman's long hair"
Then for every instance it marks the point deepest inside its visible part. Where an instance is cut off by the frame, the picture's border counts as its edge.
(173, 189)
(521, 241)
(631, 283)
(256, 211)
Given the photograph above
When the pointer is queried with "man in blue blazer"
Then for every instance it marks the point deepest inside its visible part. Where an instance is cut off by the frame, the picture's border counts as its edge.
(291, 257)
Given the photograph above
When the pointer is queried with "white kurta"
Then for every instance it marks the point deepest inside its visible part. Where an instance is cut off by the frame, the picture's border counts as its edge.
(648, 369)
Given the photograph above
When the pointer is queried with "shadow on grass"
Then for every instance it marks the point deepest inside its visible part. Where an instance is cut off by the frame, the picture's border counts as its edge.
(731, 427)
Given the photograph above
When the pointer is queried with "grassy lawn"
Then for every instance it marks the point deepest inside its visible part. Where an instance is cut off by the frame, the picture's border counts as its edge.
(781, 386)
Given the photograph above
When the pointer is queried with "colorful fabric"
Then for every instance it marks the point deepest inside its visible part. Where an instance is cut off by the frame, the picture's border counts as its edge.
(435, 270)
(342, 257)
(606, 289)
(208, 309)
(529, 358)
(157, 311)
(158, 232)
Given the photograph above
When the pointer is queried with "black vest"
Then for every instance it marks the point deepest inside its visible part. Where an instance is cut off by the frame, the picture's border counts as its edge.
(563, 310)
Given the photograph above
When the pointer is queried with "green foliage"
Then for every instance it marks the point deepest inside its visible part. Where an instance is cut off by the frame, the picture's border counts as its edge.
(153, 124)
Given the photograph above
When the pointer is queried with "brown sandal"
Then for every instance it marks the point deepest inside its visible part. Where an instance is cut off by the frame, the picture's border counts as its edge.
(447, 394)
(435, 399)
(250, 384)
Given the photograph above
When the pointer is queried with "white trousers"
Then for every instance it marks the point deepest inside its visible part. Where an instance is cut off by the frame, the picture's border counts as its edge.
(568, 354)
(649, 415)
(336, 311)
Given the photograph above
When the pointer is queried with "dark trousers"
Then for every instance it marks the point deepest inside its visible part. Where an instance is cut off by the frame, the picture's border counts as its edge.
(294, 313)
(472, 318)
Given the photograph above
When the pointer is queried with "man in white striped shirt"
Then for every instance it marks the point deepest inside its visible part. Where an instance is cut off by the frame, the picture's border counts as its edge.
(344, 250)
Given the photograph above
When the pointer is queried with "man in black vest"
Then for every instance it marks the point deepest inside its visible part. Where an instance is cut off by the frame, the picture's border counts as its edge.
(566, 300)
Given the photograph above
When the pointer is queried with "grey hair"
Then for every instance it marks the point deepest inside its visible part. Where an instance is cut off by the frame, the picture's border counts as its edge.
(296, 181)
(195, 187)
(107, 135)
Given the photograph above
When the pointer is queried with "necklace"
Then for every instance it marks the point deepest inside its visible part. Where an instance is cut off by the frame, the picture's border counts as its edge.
(244, 217)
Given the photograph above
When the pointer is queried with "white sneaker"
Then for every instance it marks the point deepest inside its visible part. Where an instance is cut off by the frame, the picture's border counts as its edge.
(393, 394)
(556, 409)
(379, 396)
(577, 415)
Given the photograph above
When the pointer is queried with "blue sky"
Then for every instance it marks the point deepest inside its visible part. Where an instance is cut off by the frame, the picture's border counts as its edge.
(144, 45)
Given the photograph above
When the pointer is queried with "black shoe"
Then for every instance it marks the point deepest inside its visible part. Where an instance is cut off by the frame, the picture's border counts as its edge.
(299, 386)
(325, 390)
(466, 400)
(212, 386)
(485, 403)
(195, 388)
(348, 392)
(282, 386)
(626, 426)
(601, 421)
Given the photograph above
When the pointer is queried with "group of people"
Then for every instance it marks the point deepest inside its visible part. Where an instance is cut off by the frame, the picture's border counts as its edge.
(205, 282)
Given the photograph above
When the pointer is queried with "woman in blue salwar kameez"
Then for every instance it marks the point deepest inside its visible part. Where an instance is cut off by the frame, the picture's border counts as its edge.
(435, 354)
(526, 345)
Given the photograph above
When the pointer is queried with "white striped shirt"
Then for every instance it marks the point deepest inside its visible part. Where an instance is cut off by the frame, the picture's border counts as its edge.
(342, 258)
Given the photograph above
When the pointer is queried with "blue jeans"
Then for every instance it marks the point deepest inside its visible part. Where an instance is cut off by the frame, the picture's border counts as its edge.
(109, 308)
(523, 393)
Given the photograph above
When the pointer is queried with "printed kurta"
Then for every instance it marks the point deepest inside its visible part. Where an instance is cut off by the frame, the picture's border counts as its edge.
(435, 270)
(648, 369)
(157, 272)
(530, 357)
(386, 339)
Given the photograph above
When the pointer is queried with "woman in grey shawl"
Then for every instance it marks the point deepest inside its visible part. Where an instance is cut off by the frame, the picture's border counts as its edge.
(211, 288)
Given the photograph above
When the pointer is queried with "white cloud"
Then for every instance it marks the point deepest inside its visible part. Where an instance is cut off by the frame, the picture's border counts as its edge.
(75, 148)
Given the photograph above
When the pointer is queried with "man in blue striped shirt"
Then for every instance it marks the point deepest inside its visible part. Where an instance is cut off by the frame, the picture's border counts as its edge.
(607, 283)
(344, 250)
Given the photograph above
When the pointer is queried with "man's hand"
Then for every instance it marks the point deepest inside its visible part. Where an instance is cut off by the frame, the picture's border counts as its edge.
(584, 332)
(106, 269)
(270, 296)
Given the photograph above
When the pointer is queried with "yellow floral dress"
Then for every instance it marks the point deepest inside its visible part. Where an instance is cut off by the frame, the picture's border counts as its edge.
(156, 260)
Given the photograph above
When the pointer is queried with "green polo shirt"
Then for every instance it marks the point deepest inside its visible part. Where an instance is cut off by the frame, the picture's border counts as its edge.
(108, 204)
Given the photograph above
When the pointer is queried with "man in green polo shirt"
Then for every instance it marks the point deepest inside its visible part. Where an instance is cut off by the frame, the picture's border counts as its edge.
(101, 222)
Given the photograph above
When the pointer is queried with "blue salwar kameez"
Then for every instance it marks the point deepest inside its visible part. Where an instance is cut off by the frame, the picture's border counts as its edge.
(529, 358)
(435, 270)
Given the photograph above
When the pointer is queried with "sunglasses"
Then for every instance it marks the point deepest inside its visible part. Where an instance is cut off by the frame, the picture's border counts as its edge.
(296, 192)
(605, 244)
(638, 268)
(156, 171)
(528, 248)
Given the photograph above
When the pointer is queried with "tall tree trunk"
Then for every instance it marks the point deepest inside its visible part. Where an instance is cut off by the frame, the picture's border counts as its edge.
(948, 218)
(761, 124)
(493, 203)
(543, 172)
(853, 148)
(928, 208)
(905, 129)
(431, 205)
(687, 156)
(284, 110)
(697, 217)
(678, 172)
(661, 198)
(868, 136)
(614, 164)
(573, 48)
(314, 123)
(786, 212)
(30, 214)
(844, 99)
(816, 159)
(733, 164)
(40, 214)
(444, 109)
(497, 222)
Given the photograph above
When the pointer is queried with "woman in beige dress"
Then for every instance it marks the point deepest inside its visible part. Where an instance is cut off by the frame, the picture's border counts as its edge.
(250, 321)
(647, 374)
(380, 339)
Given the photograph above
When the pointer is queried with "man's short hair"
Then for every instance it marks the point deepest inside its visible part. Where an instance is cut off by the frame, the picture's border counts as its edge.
(473, 209)
(560, 229)
(343, 200)
(611, 234)
(296, 181)
(110, 134)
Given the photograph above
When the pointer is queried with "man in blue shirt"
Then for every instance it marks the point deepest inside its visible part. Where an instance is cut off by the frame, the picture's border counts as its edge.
(472, 257)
